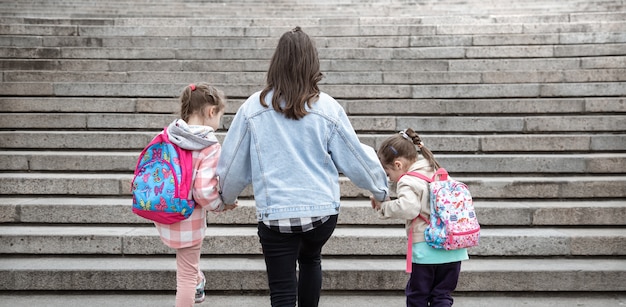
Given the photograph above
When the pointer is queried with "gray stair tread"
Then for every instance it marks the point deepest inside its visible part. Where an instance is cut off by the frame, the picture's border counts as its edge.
(591, 163)
(18, 39)
(412, 65)
(379, 53)
(544, 20)
(518, 187)
(229, 231)
(344, 77)
(345, 241)
(353, 212)
(586, 106)
(340, 91)
(136, 140)
(400, 34)
(519, 17)
(241, 273)
(381, 123)
(158, 299)
(303, 9)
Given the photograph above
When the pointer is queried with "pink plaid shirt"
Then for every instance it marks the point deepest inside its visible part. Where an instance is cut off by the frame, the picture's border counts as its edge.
(190, 231)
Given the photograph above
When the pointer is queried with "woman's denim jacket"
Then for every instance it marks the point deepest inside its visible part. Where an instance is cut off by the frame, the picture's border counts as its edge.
(294, 165)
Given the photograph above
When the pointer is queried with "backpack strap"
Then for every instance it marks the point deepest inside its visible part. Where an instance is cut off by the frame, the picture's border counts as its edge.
(418, 175)
(409, 248)
(442, 173)
(186, 166)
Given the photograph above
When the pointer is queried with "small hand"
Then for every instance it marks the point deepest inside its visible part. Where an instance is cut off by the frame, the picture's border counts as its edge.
(229, 206)
(375, 203)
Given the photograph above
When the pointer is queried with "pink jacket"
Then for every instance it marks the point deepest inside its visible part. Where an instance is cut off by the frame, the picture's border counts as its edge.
(190, 231)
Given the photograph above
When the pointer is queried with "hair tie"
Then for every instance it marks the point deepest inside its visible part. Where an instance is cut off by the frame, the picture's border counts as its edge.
(192, 86)
(420, 145)
(395, 152)
(404, 135)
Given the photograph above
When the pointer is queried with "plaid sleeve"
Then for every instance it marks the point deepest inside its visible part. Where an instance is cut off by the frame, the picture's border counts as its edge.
(205, 186)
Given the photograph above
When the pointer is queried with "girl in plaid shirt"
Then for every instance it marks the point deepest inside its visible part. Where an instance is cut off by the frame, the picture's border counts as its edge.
(202, 107)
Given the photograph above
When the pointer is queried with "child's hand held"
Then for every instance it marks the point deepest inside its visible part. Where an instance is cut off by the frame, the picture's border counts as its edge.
(375, 203)
(230, 206)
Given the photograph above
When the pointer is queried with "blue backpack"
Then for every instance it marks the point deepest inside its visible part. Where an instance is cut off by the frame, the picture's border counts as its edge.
(162, 182)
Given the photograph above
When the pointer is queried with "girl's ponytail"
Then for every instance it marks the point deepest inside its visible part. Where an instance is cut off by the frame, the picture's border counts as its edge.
(185, 103)
(428, 155)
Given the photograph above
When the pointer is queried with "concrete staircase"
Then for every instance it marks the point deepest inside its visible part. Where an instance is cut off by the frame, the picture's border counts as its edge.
(525, 101)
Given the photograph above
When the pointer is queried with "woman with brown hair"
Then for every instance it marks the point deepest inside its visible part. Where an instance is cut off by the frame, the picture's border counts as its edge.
(291, 141)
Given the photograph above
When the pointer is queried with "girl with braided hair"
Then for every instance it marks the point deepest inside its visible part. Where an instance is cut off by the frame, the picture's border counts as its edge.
(434, 272)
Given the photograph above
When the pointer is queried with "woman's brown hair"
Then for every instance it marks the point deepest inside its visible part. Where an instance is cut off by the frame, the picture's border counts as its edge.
(293, 75)
(403, 145)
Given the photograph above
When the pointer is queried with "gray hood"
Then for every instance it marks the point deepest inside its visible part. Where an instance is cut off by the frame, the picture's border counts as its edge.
(191, 137)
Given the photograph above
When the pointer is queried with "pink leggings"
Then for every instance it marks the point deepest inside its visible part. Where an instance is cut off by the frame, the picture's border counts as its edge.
(187, 274)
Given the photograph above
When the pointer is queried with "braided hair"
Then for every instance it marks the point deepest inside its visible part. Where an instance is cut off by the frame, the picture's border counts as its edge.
(403, 145)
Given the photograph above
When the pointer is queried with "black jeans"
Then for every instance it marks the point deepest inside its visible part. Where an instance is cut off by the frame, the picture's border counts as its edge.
(281, 250)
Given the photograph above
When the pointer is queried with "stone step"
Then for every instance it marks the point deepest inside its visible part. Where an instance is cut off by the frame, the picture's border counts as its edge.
(381, 28)
(287, 21)
(234, 21)
(343, 77)
(352, 8)
(340, 91)
(491, 213)
(497, 187)
(32, 41)
(353, 242)
(439, 143)
(441, 107)
(380, 124)
(483, 106)
(101, 211)
(248, 274)
(168, 65)
(79, 161)
(362, 299)
(451, 52)
(326, 65)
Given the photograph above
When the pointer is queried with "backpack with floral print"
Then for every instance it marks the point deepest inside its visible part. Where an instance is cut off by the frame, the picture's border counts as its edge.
(453, 223)
(162, 182)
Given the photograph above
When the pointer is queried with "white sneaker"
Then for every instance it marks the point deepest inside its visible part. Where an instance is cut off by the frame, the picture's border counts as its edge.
(200, 290)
